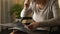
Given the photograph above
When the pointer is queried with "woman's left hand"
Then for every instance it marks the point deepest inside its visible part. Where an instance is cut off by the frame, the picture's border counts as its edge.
(33, 25)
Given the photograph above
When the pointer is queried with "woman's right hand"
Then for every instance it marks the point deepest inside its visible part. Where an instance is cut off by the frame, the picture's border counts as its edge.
(26, 3)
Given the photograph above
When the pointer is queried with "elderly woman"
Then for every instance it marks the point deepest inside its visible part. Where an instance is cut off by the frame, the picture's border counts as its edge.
(45, 14)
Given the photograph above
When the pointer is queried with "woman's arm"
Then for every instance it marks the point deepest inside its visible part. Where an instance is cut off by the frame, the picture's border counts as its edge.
(27, 9)
(51, 22)
(56, 16)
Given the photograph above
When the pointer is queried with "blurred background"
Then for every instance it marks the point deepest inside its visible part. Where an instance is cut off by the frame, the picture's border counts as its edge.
(10, 11)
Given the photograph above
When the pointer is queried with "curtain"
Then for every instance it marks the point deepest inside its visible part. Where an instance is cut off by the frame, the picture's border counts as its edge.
(0, 14)
(59, 3)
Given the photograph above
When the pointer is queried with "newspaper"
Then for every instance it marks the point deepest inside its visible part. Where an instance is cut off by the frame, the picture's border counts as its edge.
(17, 26)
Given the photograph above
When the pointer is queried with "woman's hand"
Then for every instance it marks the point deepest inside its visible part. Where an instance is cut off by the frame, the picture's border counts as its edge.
(12, 33)
(33, 25)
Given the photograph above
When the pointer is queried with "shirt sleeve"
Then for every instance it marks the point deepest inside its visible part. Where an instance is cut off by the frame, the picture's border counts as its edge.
(26, 11)
(56, 16)
(55, 9)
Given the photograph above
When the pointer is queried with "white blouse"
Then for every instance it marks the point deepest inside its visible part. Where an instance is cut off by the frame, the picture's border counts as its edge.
(50, 13)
